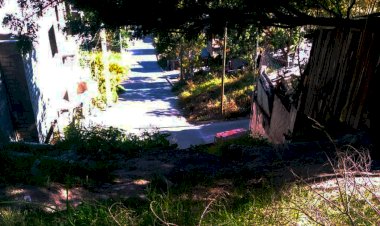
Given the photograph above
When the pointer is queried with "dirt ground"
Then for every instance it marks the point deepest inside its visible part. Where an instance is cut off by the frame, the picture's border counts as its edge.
(252, 166)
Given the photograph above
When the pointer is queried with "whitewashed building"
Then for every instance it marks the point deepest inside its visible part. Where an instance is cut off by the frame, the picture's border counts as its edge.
(42, 87)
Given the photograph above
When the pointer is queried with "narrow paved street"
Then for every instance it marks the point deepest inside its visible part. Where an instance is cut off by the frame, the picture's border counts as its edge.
(149, 104)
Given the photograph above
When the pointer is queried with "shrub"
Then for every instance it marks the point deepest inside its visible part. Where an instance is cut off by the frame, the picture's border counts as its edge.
(117, 74)
(103, 143)
(222, 147)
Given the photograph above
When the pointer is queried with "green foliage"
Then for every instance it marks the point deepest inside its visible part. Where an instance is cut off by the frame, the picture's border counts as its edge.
(172, 209)
(201, 199)
(86, 26)
(266, 205)
(242, 44)
(191, 17)
(117, 38)
(117, 71)
(38, 165)
(24, 44)
(200, 97)
(101, 213)
(88, 213)
(42, 170)
(15, 170)
(103, 143)
(172, 45)
(222, 147)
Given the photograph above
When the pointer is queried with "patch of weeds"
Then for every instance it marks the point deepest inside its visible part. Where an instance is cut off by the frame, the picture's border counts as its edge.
(200, 96)
(33, 170)
(102, 143)
(117, 74)
(160, 183)
(15, 169)
(101, 213)
(88, 213)
(179, 86)
(223, 147)
(183, 180)
(169, 209)
(28, 215)
(76, 173)
(350, 197)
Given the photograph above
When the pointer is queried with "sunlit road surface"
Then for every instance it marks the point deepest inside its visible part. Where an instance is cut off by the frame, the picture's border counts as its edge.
(148, 103)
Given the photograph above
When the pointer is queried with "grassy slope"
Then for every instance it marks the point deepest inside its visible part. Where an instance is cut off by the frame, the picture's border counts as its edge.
(200, 97)
(237, 197)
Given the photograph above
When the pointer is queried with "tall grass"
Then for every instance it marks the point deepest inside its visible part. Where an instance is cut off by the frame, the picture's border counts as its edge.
(347, 196)
(200, 96)
(84, 157)
(295, 204)
(103, 143)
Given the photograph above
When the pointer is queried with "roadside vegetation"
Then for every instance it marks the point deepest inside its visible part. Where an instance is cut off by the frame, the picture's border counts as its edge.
(239, 193)
(199, 85)
(249, 182)
(117, 71)
(199, 97)
(85, 156)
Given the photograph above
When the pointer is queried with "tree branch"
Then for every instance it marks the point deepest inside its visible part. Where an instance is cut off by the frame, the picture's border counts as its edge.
(328, 9)
(353, 2)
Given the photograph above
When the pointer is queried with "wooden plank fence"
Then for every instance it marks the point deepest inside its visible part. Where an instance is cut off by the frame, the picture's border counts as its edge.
(340, 76)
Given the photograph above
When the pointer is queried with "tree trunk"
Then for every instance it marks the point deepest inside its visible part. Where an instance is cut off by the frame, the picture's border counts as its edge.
(224, 70)
(105, 67)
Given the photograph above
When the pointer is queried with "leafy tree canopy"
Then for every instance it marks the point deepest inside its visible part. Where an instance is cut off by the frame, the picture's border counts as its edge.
(195, 16)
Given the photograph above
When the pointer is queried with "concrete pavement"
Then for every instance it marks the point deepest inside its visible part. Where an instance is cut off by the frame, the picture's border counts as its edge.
(149, 104)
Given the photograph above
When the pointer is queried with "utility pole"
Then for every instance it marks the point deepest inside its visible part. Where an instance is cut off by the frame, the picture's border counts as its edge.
(120, 41)
(106, 66)
(257, 49)
(224, 70)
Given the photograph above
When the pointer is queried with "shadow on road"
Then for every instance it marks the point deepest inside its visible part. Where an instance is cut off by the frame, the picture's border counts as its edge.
(165, 112)
(151, 92)
(147, 67)
(143, 52)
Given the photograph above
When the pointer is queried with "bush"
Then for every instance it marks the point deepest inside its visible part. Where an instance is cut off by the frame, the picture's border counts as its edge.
(117, 71)
(103, 143)
(41, 170)
(222, 147)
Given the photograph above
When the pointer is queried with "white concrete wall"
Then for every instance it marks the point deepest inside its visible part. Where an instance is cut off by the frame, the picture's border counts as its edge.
(47, 76)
